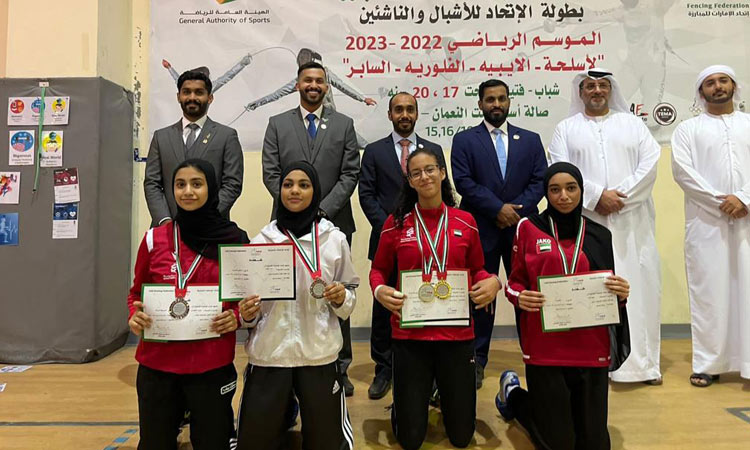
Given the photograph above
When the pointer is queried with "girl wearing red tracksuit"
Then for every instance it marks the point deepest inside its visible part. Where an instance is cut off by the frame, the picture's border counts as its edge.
(565, 406)
(441, 353)
(196, 376)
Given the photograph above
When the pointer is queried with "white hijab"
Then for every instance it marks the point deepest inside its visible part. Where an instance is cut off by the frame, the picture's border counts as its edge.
(616, 100)
(711, 70)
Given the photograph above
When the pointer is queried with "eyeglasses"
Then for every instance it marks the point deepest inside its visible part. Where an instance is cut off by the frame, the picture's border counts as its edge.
(430, 170)
(602, 85)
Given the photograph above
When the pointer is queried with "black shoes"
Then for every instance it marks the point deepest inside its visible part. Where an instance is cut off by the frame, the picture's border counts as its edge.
(348, 386)
(480, 375)
(378, 388)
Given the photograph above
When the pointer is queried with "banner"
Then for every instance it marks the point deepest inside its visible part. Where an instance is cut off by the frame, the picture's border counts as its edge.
(440, 51)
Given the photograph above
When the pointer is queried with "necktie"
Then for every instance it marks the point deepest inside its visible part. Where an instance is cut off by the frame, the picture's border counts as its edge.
(192, 135)
(311, 130)
(404, 153)
(502, 158)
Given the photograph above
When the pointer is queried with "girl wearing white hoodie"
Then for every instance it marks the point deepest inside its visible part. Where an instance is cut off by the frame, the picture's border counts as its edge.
(293, 345)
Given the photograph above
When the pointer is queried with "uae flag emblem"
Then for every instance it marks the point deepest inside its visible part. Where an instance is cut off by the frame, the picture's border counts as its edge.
(543, 245)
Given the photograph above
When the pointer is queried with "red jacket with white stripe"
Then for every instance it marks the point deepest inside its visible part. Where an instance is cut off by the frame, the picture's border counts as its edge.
(535, 254)
(400, 244)
(156, 264)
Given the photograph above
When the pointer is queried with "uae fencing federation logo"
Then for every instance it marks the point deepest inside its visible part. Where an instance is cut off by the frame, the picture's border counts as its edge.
(665, 114)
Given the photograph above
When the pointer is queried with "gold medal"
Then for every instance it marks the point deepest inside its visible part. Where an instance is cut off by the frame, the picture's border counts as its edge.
(443, 290)
(426, 292)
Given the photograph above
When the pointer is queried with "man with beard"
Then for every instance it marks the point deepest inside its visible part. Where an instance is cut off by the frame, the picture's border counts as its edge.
(498, 170)
(326, 139)
(194, 136)
(617, 156)
(380, 182)
(711, 163)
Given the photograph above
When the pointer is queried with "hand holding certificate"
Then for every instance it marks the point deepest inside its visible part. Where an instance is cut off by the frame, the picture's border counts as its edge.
(576, 301)
(192, 317)
(266, 270)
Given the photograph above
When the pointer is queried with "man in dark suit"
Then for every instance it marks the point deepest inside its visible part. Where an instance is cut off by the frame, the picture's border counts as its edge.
(498, 170)
(194, 136)
(327, 140)
(380, 181)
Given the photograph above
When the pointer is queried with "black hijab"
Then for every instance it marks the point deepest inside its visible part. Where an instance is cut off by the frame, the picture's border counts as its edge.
(299, 223)
(597, 246)
(205, 228)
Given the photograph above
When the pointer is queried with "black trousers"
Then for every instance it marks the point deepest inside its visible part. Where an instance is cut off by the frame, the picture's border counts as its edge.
(380, 335)
(565, 408)
(415, 365)
(345, 354)
(265, 400)
(163, 398)
(484, 321)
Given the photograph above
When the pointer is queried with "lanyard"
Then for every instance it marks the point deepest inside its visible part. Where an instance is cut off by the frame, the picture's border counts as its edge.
(180, 289)
(442, 228)
(312, 262)
(569, 269)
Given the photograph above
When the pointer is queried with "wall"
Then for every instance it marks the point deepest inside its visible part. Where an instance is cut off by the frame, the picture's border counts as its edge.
(110, 39)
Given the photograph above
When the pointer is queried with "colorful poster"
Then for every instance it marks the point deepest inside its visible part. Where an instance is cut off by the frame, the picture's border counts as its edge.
(21, 148)
(67, 186)
(9, 229)
(26, 110)
(65, 221)
(52, 149)
(440, 51)
(10, 187)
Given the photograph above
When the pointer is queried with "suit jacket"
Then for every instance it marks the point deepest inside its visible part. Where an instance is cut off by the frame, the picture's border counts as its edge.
(484, 191)
(217, 144)
(333, 153)
(380, 183)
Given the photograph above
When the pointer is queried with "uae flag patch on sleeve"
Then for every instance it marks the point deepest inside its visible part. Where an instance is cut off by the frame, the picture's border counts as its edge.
(543, 245)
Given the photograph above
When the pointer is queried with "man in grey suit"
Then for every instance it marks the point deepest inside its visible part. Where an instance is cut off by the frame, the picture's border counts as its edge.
(194, 136)
(326, 139)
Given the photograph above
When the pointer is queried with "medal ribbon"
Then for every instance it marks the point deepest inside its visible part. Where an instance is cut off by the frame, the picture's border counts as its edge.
(312, 264)
(442, 228)
(576, 252)
(182, 280)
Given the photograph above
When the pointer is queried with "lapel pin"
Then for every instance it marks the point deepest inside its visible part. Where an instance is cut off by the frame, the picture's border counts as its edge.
(323, 126)
(205, 141)
(420, 146)
(516, 137)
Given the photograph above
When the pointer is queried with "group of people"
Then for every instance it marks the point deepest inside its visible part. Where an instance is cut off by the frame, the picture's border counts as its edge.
(600, 216)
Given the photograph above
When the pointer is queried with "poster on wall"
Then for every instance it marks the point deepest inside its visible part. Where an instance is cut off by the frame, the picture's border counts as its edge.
(65, 221)
(21, 145)
(52, 149)
(26, 110)
(67, 186)
(10, 187)
(9, 229)
(439, 52)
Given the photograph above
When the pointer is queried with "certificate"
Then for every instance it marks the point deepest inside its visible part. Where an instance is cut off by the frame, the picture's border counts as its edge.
(577, 301)
(452, 311)
(175, 319)
(267, 270)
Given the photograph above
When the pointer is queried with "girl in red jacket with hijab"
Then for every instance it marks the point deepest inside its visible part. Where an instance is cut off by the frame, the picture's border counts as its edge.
(178, 376)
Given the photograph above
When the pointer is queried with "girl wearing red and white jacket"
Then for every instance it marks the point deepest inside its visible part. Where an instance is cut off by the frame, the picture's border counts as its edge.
(441, 353)
(565, 406)
(197, 376)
